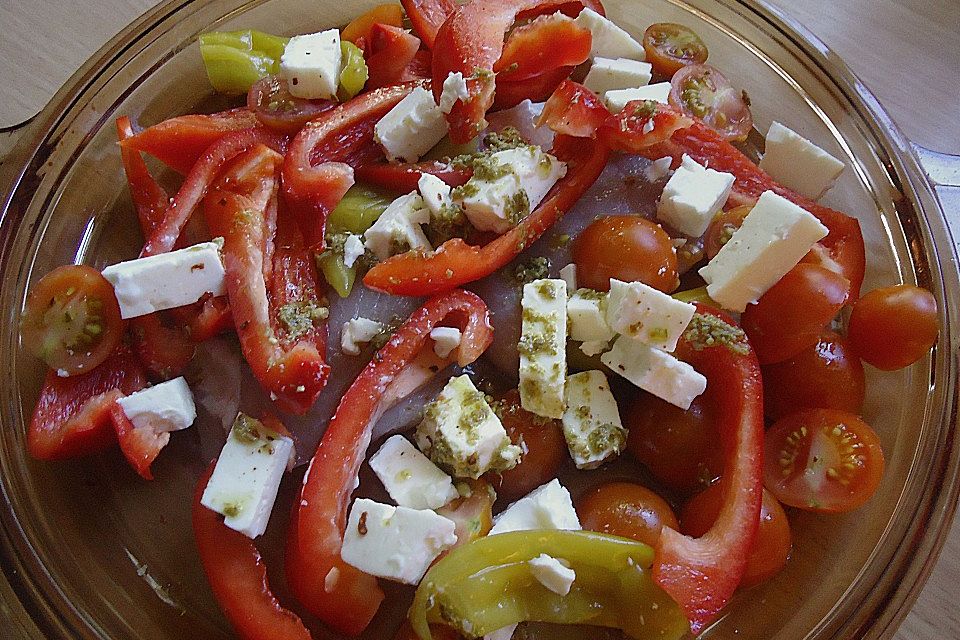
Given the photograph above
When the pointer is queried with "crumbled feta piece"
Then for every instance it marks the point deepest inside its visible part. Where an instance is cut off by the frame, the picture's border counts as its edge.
(143, 285)
(462, 434)
(643, 313)
(543, 347)
(798, 164)
(591, 423)
(357, 332)
(609, 40)
(773, 238)
(244, 483)
(396, 543)
(311, 65)
(655, 371)
(658, 169)
(409, 476)
(546, 507)
(164, 407)
(503, 633)
(523, 118)
(569, 275)
(352, 249)
(617, 99)
(413, 127)
(552, 574)
(454, 88)
(593, 347)
(445, 340)
(435, 193)
(586, 311)
(692, 196)
(398, 228)
(607, 74)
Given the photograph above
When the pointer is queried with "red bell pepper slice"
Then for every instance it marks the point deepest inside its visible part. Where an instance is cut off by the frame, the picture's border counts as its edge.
(542, 45)
(701, 574)
(238, 577)
(72, 416)
(391, 51)
(456, 263)
(403, 177)
(426, 16)
(574, 110)
(537, 88)
(139, 446)
(149, 198)
(208, 317)
(337, 593)
(317, 169)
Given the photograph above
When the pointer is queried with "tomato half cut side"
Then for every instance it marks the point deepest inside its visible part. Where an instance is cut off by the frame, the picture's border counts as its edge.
(822, 460)
(72, 319)
(893, 327)
(701, 91)
(671, 47)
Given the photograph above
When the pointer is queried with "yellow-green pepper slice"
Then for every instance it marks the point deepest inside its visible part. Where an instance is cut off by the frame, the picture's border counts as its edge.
(353, 73)
(234, 60)
(357, 211)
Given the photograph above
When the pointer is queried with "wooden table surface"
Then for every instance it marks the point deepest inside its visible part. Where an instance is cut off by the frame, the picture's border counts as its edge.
(906, 51)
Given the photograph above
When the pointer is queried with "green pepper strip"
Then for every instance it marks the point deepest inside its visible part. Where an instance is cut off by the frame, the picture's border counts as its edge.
(357, 211)
(236, 59)
(487, 584)
(695, 295)
(353, 74)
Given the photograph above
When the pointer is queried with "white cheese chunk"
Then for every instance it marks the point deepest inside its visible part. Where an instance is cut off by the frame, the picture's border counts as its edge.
(311, 65)
(435, 193)
(658, 169)
(503, 633)
(655, 371)
(245, 481)
(523, 118)
(445, 340)
(569, 275)
(352, 249)
(409, 476)
(398, 228)
(609, 40)
(586, 311)
(546, 507)
(773, 238)
(643, 313)
(552, 574)
(357, 332)
(146, 285)
(413, 127)
(543, 347)
(593, 347)
(164, 407)
(692, 196)
(454, 88)
(798, 164)
(607, 74)
(617, 99)
(396, 543)
(591, 423)
(462, 434)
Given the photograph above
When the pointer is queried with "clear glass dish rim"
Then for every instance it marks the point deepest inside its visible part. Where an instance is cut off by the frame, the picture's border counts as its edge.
(30, 597)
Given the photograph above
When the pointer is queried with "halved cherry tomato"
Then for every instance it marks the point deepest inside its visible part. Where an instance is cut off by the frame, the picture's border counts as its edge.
(544, 43)
(626, 509)
(671, 47)
(722, 228)
(822, 460)
(893, 327)
(771, 548)
(627, 248)
(71, 319)
(541, 439)
(573, 110)
(827, 375)
(274, 105)
(790, 316)
(360, 27)
(702, 91)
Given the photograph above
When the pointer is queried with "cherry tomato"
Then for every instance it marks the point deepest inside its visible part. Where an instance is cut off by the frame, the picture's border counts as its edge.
(274, 105)
(827, 375)
(626, 509)
(790, 316)
(678, 447)
(72, 319)
(671, 47)
(895, 326)
(771, 547)
(722, 228)
(700, 90)
(544, 448)
(822, 460)
(628, 248)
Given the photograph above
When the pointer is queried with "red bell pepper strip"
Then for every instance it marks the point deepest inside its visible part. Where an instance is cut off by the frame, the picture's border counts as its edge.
(574, 110)
(537, 88)
(208, 317)
(238, 577)
(391, 50)
(139, 446)
(456, 263)
(149, 198)
(317, 169)
(337, 593)
(701, 574)
(426, 16)
(542, 45)
(72, 416)
(403, 177)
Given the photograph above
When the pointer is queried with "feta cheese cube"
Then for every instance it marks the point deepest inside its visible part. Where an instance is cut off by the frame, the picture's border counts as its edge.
(591, 423)
(692, 196)
(144, 286)
(462, 434)
(311, 65)
(617, 99)
(356, 332)
(655, 371)
(396, 543)
(798, 164)
(546, 507)
(409, 476)
(643, 313)
(523, 118)
(593, 347)
(773, 238)
(586, 311)
(609, 40)
(543, 347)
(445, 340)
(435, 193)
(552, 573)
(164, 407)
(454, 88)
(398, 228)
(658, 169)
(622, 73)
(569, 275)
(352, 249)
(413, 127)
(245, 481)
